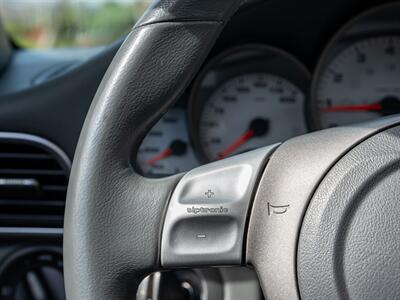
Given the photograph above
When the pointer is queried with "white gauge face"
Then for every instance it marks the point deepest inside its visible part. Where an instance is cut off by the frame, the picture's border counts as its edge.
(248, 112)
(166, 149)
(360, 84)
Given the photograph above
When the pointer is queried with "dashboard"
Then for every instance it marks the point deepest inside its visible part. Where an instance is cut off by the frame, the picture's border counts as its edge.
(256, 94)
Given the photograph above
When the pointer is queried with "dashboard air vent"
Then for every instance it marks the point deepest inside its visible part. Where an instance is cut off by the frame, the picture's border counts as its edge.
(33, 181)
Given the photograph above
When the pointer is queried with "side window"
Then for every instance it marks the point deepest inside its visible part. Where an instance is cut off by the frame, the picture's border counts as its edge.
(69, 23)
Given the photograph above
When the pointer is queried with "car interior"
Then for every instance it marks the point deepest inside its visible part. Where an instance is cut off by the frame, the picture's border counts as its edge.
(219, 150)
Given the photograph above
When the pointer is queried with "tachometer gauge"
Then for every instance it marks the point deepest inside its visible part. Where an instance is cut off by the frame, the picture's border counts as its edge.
(248, 112)
(360, 83)
(166, 149)
(248, 98)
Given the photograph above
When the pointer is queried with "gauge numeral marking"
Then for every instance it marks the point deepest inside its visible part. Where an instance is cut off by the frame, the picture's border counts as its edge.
(151, 150)
(361, 57)
(210, 124)
(219, 110)
(170, 120)
(229, 99)
(243, 89)
(215, 141)
(276, 90)
(260, 84)
(390, 49)
(287, 99)
(338, 78)
(155, 133)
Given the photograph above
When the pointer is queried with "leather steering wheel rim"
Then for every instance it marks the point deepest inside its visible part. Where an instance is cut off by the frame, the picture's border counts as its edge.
(114, 220)
(153, 67)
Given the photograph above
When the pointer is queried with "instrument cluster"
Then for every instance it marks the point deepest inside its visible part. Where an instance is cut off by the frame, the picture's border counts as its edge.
(256, 95)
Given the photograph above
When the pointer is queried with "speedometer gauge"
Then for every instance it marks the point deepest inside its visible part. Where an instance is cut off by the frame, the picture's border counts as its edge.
(360, 83)
(247, 98)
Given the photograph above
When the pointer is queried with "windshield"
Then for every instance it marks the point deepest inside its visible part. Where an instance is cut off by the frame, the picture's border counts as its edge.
(69, 23)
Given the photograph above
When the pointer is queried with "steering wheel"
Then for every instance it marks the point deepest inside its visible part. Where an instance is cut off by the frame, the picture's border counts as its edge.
(317, 217)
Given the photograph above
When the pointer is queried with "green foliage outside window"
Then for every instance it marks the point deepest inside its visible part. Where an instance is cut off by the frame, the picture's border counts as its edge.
(69, 23)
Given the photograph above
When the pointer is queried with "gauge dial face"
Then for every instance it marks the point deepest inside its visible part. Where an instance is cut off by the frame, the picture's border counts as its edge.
(250, 111)
(166, 149)
(361, 83)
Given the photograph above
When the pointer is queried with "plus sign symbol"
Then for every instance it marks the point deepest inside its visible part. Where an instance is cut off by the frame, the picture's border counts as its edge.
(209, 193)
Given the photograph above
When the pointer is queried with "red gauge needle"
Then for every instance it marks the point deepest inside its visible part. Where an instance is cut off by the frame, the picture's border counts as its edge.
(177, 148)
(258, 127)
(236, 144)
(163, 155)
(387, 106)
(361, 107)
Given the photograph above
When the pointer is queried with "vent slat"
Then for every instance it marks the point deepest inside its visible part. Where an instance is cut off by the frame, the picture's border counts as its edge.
(32, 202)
(32, 172)
(19, 220)
(25, 155)
(35, 205)
(56, 188)
(4, 217)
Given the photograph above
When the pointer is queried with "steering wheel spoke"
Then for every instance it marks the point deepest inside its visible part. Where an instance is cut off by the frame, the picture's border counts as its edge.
(206, 220)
